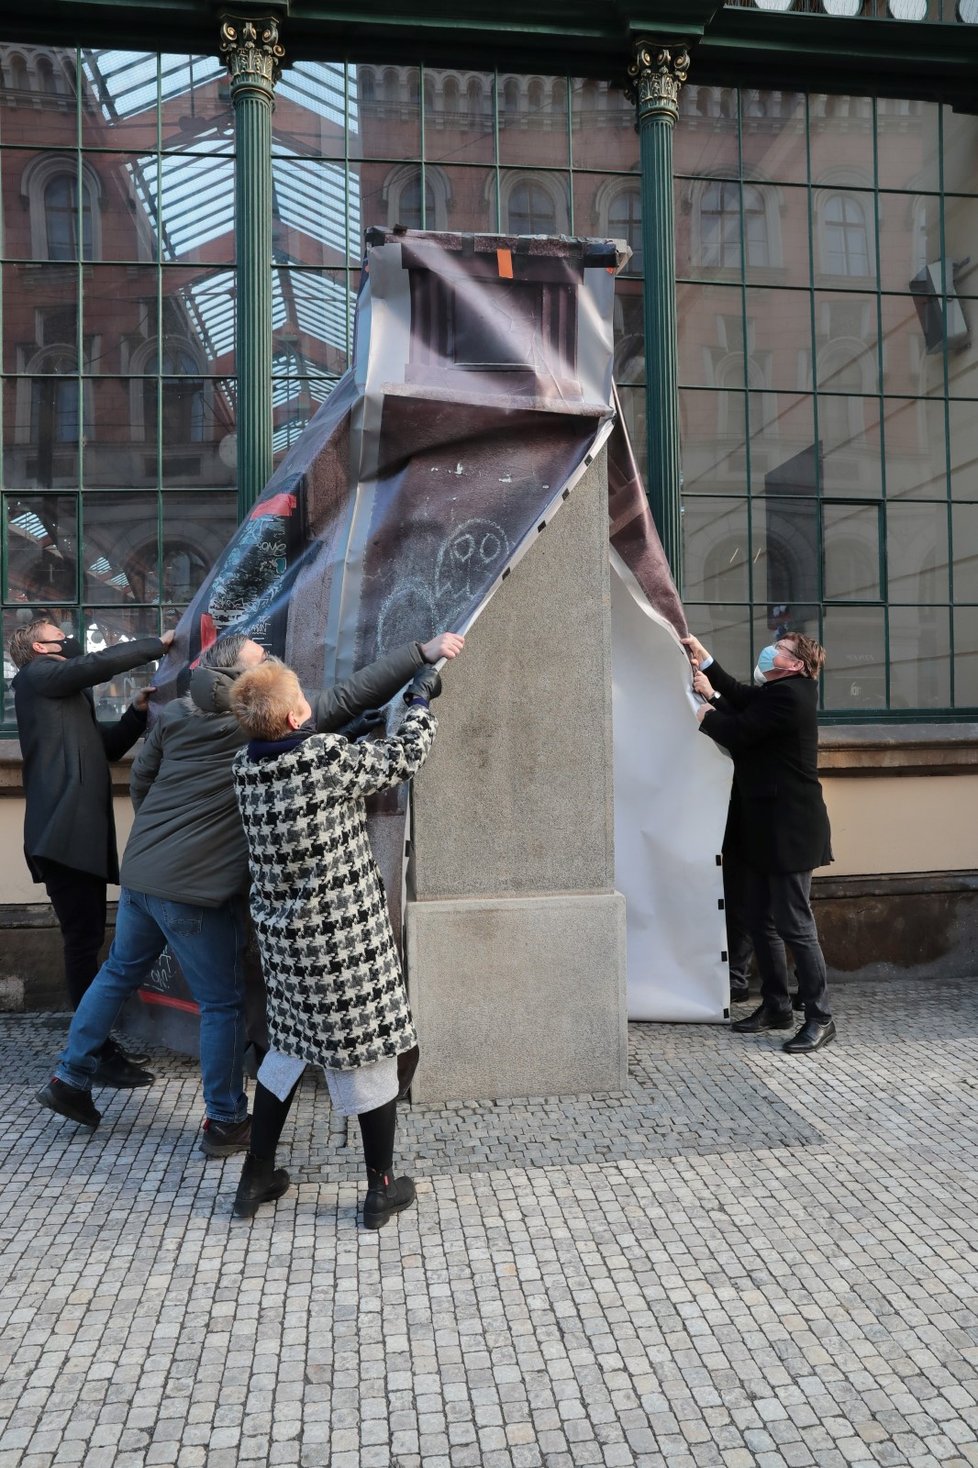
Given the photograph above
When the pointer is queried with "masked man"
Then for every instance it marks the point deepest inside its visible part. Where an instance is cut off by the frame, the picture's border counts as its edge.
(779, 827)
(69, 831)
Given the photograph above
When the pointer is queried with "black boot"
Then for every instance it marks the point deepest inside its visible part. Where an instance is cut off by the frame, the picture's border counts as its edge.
(261, 1182)
(407, 1064)
(386, 1196)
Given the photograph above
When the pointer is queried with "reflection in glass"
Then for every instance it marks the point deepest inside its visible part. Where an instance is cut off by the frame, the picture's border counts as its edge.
(779, 334)
(962, 430)
(68, 226)
(712, 428)
(916, 553)
(784, 555)
(855, 658)
(851, 552)
(40, 318)
(848, 431)
(964, 539)
(783, 458)
(909, 239)
(37, 102)
(716, 550)
(196, 528)
(120, 317)
(773, 135)
(841, 132)
(313, 101)
(459, 118)
(846, 234)
(532, 120)
(629, 357)
(387, 122)
(711, 335)
(908, 367)
(916, 448)
(725, 630)
(907, 143)
(41, 423)
(966, 657)
(41, 536)
(119, 548)
(316, 218)
(920, 658)
(119, 99)
(706, 142)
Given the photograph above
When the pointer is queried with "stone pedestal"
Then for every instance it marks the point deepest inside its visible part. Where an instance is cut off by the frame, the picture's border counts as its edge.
(515, 935)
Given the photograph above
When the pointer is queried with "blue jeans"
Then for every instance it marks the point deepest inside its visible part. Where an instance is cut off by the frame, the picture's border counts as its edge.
(208, 944)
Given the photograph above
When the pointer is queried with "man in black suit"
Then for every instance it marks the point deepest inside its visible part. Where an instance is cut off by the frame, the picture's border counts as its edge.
(69, 830)
(778, 827)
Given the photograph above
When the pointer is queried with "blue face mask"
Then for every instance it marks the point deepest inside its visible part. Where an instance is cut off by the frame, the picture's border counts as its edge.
(765, 663)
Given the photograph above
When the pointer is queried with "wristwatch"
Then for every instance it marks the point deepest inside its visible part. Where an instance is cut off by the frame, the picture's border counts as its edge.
(714, 696)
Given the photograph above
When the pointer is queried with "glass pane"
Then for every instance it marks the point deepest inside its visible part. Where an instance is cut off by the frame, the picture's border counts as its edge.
(124, 190)
(120, 321)
(195, 103)
(963, 421)
(315, 212)
(120, 99)
(909, 241)
(841, 138)
(706, 142)
(711, 335)
(105, 626)
(916, 448)
(960, 222)
(716, 550)
(845, 238)
(612, 209)
(311, 102)
(846, 338)
(41, 531)
(849, 433)
(725, 630)
(916, 553)
(604, 136)
(907, 142)
(312, 320)
(40, 318)
(782, 445)
(784, 555)
(855, 658)
(629, 333)
(960, 144)
(776, 234)
(41, 430)
(388, 113)
(196, 530)
(196, 205)
(535, 203)
(779, 618)
(964, 532)
(458, 116)
(295, 402)
(910, 365)
(851, 552)
(966, 657)
(633, 410)
(199, 446)
(120, 449)
(198, 323)
(920, 658)
(119, 548)
(38, 102)
(773, 125)
(779, 334)
(532, 121)
(712, 432)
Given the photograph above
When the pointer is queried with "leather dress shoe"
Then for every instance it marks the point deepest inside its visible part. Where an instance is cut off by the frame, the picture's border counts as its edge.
(119, 1072)
(70, 1101)
(764, 1019)
(812, 1036)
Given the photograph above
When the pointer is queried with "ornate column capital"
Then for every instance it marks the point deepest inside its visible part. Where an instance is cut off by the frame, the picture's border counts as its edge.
(250, 48)
(655, 76)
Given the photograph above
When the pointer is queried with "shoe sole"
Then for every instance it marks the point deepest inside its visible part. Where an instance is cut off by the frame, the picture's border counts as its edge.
(64, 1111)
(224, 1149)
(810, 1050)
(116, 1085)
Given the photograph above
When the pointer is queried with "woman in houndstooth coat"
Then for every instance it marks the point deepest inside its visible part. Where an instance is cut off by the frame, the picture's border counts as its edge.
(336, 995)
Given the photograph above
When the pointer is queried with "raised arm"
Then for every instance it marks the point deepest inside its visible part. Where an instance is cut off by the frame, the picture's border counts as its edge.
(367, 767)
(59, 678)
(376, 684)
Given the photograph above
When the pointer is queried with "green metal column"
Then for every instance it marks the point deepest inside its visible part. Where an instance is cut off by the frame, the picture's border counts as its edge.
(250, 46)
(656, 74)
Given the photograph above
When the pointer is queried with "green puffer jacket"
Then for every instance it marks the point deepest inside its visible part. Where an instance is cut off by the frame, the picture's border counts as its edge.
(187, 843)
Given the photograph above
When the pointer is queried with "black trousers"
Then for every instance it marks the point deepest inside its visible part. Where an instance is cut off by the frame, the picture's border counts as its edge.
(78, 899)
(780, 912)
(740, 949)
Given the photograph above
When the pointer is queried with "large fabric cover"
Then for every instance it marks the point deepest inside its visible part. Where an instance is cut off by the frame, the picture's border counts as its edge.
(403, 508)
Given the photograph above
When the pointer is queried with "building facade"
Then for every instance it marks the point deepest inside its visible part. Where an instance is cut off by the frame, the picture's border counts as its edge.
(797, 180)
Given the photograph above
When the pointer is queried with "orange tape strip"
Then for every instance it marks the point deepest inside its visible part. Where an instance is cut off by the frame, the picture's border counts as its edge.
(504, 259)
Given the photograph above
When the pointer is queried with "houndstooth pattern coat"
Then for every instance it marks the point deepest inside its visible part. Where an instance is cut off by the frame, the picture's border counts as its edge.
(336, 995)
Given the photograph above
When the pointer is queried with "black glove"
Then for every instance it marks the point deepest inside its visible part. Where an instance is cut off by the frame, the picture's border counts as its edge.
(364, 724)
(424, 686)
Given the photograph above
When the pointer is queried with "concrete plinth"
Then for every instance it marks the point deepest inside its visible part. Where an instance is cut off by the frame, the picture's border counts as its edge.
(515, 935)
(519, 996)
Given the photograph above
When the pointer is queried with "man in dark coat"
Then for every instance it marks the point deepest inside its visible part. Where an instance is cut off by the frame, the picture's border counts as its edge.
(69, 830)
(779, 827)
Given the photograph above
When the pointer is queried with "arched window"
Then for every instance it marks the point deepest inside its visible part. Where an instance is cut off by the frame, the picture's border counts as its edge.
(54, 410)
(46, 76)
(845, 236)
(409, 211)
(531, 210)
(401, 194)
(61, 218)
(720, 225)
(625, 223)
(182, 394)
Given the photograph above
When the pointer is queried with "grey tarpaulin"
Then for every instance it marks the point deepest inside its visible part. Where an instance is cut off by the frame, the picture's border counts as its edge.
(398, 513)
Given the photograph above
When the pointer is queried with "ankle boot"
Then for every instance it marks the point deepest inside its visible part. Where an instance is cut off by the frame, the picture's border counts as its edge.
(261, 1182)
(386, 1196)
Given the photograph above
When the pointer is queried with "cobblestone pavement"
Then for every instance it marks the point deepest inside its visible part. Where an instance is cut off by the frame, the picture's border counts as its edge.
(743, 1259)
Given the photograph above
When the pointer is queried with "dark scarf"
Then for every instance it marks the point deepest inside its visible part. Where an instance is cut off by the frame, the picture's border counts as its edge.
(263, 749)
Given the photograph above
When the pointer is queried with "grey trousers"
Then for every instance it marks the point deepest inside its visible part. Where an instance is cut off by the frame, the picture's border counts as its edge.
(779, 912)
